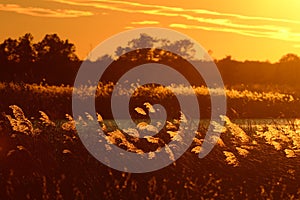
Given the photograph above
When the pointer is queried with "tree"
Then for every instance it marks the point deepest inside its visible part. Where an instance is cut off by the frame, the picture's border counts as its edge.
(290, 57)
(51, 58)
(25, 50)
(183, 48)
(54, 50)
(56, 59)
(8, 51)
(18, 51)
(17, 57)
(26, 57)
(8, 57)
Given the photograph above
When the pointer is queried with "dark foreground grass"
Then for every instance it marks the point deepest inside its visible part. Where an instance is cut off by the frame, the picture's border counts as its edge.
(48, 161)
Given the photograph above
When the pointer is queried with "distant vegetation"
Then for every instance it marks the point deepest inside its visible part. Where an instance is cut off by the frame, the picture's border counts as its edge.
(54, 61)
(51, 60)
(39, 76)
(56, 100)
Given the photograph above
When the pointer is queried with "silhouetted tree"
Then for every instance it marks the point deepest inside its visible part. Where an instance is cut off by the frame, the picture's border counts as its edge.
(290, 57)
(52, 58)
(55, 59)
(184, 48)
(8, 51)
(54, 50)
(144, 40)
(289, 69)
(8, 57)
(17, 57)
(27, 56)
(25, 49)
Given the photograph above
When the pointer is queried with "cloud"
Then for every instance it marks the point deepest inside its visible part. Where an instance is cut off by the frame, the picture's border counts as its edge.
(156, 8)
(245, 17)
(279, 35)
(253, 26)
(146, 22)
(129, 27)
(222, 29)
(44, 12)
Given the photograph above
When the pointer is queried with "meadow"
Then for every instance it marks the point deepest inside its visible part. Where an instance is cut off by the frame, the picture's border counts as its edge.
(42, 156)
(242, 102)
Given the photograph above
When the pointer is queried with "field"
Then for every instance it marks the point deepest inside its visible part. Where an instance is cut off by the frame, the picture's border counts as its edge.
(149, 113)
(42, 156)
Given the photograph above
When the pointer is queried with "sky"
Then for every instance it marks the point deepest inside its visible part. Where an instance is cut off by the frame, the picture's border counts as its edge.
(246, 30)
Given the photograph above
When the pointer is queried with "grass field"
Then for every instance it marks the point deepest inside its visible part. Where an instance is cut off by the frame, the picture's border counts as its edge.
(42, 159)
(42, 156)
(254, 144)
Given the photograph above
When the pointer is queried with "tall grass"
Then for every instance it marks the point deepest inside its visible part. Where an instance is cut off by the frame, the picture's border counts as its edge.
(56, 100)
(44, 159)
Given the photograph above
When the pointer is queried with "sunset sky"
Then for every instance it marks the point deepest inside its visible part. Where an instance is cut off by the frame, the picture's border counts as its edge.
(252, 30)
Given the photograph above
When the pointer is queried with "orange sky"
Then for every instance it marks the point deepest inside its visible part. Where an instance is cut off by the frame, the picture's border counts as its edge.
(253, 30)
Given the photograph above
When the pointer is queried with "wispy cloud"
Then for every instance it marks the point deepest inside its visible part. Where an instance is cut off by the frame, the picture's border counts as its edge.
(44, 12)
(157, 8)
(254, 26)
(129, 27)
(146, 22)
(279, 34)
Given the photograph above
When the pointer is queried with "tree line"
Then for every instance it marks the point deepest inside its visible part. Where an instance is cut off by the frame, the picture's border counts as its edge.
(283, 72)
(54, 61)
(51, 60)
